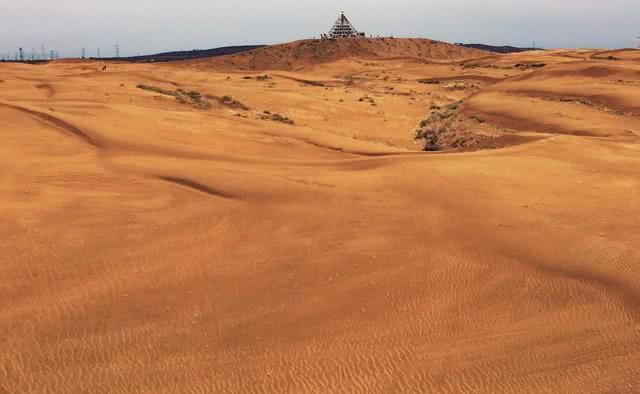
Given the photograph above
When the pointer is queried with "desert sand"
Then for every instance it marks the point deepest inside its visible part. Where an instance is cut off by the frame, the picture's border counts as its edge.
(162, 233)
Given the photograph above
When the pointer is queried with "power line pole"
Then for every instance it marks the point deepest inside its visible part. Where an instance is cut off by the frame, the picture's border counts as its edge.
(117, 50)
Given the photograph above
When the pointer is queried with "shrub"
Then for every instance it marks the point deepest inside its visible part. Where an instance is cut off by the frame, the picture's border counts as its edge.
(429, 81)
(192, 97)
(281, 118)
(267, 115)
(156, 90)
(230, 102)
(429, 130)
(367, 98)
(530, 65)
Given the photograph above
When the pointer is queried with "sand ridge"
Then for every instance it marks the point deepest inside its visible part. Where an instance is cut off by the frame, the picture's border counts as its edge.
(302, 54)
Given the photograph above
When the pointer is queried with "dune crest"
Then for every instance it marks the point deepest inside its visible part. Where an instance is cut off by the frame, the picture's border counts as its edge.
(303, 54)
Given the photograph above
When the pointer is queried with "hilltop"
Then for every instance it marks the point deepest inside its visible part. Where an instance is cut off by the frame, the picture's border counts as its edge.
(298, 55)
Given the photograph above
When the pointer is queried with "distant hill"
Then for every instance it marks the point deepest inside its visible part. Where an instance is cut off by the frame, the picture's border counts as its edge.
(497, 49)
(186, 55)
(298, 55)
(284, 56)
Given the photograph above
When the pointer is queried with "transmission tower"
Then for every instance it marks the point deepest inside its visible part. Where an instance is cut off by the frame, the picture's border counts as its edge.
(117, 50)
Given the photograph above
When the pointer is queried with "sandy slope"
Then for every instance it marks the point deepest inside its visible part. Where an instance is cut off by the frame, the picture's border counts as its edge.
(307, 54)
(152, 246)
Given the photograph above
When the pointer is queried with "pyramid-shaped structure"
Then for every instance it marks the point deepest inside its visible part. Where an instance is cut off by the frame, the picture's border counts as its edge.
(343, 28)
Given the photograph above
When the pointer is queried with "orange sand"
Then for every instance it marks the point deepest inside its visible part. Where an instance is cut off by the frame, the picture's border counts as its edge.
(152, 246)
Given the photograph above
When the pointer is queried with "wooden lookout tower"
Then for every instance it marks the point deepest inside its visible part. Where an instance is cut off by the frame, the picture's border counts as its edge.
(342, 29)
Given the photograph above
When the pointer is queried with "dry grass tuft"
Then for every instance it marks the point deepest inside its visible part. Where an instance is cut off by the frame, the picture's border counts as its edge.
(230, 102)
(267, 115)
(191, 97)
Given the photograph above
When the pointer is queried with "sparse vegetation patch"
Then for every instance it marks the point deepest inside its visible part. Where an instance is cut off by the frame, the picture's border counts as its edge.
(526, 66)
(156, 89)
(190, 97)
(230, 102)
(429, 81)
(596, 105)
(447, 128)
(367, 99)
(267, 115)
(311, 83)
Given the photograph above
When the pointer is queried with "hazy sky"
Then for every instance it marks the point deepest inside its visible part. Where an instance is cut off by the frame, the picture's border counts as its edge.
(147, 26)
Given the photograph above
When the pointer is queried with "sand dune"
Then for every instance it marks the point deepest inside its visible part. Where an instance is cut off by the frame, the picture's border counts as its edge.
(303, 54)
(207, 228)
